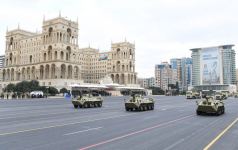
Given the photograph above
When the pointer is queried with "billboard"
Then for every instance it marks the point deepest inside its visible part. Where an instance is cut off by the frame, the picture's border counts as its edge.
(210, 66)
(103, 56)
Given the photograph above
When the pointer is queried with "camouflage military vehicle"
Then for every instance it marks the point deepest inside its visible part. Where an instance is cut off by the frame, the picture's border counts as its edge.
(236, 95)
(210, 105)
(87, 101)
(219, 96)
(138, 103)
(192, 95)
(225, 94)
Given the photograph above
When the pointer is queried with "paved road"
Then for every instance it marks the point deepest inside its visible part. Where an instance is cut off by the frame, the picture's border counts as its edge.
(55, 124)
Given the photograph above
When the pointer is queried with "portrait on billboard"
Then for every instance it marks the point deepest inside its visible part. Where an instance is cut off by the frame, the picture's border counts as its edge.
(210, 67)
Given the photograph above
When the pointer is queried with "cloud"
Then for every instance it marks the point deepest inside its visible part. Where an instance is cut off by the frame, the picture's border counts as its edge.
(161, 29)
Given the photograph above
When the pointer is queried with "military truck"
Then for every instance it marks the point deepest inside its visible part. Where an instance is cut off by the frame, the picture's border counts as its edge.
(87, 101)
(138, 103)
(192, 95)
(210, 105)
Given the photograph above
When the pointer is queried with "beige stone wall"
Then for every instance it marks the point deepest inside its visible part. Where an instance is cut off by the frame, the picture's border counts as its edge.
(54, 58)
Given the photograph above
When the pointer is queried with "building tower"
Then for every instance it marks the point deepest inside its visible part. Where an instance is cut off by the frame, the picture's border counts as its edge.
(123, 63)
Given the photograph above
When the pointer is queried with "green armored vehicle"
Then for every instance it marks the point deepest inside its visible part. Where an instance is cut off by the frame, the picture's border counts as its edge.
(210, 105)
(219, 96)
(138, 103)
(192, 95)
(235, 95)
(87, 101)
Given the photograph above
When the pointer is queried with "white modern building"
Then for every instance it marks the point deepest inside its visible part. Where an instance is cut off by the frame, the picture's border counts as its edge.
(213, 68)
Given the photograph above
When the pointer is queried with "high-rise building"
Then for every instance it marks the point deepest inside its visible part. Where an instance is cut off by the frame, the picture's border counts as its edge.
(183, 66)
(53, 57)
(213, 67)
(147, 82)
(186, 73)
(165, 75)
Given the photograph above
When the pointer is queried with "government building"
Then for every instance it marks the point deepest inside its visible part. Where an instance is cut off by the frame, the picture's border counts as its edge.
(53, 57)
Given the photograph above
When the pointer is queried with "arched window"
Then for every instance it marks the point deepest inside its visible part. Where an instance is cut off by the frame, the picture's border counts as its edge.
(50, 31)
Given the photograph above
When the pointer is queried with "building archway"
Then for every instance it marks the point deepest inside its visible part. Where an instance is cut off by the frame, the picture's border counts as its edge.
(70, 72)
(122, 79)
(28, 72)
(117, 78)
(112, 76)
(41, 72)
(63, 70)
(12, 74)
(53, 71)
(47, 71)
(23, 73)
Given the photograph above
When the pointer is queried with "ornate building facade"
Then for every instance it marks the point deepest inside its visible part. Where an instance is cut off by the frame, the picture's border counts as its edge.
(54, 58)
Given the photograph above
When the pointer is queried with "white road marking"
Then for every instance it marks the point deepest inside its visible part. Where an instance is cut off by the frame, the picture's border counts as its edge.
(61, 125)
(83, 131)
(174, 144)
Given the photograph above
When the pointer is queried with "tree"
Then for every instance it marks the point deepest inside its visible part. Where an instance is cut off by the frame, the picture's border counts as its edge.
(10, 88)
(23, 87)
(53, 91)
(34, 85)
(63, 90)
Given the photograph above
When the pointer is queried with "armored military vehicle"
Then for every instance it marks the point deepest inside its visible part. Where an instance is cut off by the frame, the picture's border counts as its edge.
(219, 96)
(235, 95)
(87, 101)
(138, 103)
(192, 95)
(210, 105)
(225, 94)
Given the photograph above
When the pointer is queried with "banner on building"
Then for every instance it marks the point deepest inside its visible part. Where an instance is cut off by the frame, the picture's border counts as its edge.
(210, 66)
(103, 57)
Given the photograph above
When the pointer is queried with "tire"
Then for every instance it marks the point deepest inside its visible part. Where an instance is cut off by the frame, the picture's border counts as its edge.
(95, 104)
(99, 104)
(152, 107)
(127, 109)
(140, 108)
(75, 106)
(85, 105)
(145, 108)
(199, 113)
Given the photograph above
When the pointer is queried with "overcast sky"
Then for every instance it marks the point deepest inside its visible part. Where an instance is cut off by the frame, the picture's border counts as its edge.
(161, 29)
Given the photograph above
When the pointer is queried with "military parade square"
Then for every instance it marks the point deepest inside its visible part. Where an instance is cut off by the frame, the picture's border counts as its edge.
(118, 75)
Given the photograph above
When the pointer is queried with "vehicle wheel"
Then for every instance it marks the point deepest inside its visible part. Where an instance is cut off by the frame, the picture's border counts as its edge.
(75, 106)
(80, 106)
(127, 109)
(85, 105)
(219, 111)
(140, 108)
(99, 104)
(152, 107)
(95, 104)
(198, 113)
(149, 107)
(145, 108)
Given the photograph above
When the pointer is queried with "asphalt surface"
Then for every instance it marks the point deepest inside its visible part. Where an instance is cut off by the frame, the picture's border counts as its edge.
(54, 124)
